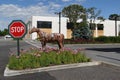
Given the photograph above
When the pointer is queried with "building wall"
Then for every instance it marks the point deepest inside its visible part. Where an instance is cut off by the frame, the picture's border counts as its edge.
(100, 32)
(108, 30)
(69, 33)
(55, 24)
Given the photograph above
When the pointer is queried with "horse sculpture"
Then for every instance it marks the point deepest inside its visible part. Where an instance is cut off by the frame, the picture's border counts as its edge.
(45, 37)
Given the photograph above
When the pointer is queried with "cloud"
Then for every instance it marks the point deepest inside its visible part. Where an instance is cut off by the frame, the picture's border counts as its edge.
(54, 7)
(3, 24)
(11, 10)
(75, 1)
(80, 0)
(65, 0)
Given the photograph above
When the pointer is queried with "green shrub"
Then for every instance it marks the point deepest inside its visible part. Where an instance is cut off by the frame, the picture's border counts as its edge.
(25, 61)
(110, 39)
(30, 60)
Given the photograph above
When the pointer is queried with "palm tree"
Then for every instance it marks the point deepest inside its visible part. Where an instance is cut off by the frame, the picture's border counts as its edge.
(115, 17)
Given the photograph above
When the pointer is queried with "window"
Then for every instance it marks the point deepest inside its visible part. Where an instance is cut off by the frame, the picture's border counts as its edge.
(92, 26)
(70, 25)
(100, 26)
(44, 24)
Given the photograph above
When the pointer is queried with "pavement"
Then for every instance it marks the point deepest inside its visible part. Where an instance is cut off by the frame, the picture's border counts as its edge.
(99, 72)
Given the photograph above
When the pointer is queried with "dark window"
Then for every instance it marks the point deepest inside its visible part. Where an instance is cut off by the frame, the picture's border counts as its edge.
(44, 24)
(100, 26)
(70, 25)
(92, 26)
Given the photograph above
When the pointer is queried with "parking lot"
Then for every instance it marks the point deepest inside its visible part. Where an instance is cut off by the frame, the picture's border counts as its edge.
(100, 72)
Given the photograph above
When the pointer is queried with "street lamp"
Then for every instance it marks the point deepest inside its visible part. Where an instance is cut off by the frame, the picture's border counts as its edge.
(116, 19)
(116, 26)
(59, 13)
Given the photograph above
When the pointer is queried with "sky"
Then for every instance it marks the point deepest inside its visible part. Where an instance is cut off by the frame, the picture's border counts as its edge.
(24, 9)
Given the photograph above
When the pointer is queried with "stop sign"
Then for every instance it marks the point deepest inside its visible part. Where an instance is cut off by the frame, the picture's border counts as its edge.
(17, 29)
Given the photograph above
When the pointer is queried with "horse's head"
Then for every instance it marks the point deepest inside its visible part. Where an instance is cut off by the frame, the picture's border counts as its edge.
(33, 30)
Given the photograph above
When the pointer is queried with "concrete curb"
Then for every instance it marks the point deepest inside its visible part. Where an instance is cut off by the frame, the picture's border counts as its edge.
(9, 72)
(110, 63)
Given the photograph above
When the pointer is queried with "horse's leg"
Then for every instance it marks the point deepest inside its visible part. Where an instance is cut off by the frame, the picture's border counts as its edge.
(43, 45)
(58, 44)
(61, 45)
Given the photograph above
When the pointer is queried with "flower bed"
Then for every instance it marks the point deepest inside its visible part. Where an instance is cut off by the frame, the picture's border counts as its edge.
(35, 58)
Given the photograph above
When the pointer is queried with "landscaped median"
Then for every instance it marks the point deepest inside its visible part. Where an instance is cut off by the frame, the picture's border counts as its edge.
(37, 60)
(9, 72)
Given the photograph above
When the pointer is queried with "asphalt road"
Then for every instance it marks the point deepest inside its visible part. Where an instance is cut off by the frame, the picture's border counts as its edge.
(101, 52)
(101, 72)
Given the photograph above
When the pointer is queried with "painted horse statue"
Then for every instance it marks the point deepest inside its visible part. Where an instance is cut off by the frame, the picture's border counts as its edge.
(45, 37)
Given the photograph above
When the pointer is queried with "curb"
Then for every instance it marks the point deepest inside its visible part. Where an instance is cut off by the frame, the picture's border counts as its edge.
(110, 63)
(9, 72)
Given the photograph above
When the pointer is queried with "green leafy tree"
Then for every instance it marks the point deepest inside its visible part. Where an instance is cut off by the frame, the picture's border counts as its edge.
(93, 14)
(4, 32)
(73, 12)
(82, 32)
(114, 17)
(1, 33)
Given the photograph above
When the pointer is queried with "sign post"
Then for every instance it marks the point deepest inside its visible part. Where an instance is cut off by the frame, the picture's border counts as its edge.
(17, 29)
(18, 47)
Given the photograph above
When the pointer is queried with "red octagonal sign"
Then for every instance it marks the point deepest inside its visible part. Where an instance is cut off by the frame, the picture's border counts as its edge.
(17, 29)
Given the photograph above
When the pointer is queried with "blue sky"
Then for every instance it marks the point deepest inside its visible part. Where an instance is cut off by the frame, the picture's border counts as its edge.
(23, 9)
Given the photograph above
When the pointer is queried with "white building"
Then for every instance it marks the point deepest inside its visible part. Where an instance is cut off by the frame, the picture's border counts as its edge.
(51, 25)
(47, 24)
(108, 28)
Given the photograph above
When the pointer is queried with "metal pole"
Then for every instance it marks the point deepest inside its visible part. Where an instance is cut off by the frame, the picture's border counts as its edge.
(59, 22)
(116, 26)
(18, 48)
(59, 13)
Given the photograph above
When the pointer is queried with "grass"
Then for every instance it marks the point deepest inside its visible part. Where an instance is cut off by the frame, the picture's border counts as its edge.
(35, 58)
